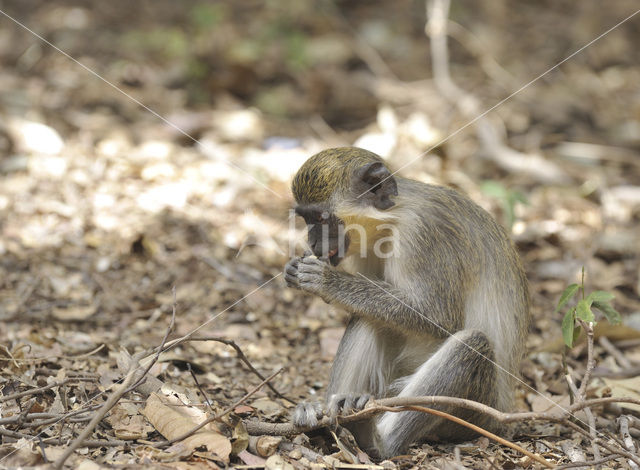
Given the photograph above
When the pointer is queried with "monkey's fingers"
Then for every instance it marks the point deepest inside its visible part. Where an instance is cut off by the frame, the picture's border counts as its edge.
(344, 403)
(311, 265)
(291, 273)
(362, 401)
(307, 414)
(292, 281)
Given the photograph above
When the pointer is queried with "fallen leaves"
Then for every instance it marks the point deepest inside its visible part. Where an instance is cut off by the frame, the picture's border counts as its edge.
(172, 418)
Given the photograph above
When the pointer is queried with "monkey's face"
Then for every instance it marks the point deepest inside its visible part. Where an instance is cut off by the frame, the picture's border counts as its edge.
(326, 234)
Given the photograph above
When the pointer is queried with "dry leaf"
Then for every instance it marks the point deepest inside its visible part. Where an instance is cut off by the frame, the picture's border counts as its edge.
(547, 404)
(171, 418)
(266, 446)
(127, 422)
(250, 459)
(276, 462)
(623, 388)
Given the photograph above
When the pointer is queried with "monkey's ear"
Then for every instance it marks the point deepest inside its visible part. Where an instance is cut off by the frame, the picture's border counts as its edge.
(375, 180)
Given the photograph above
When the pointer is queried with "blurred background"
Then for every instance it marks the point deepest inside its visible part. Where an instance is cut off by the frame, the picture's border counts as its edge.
(172, 168)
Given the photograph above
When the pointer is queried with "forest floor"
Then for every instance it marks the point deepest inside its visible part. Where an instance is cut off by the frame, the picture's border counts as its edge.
(113, 220)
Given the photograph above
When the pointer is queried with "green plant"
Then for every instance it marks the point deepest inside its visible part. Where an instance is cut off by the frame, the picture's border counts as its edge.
(583, 310)
(508, 198)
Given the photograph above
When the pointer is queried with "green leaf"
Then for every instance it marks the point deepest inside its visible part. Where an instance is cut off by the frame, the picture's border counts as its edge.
(600, 296)
(605, 307)
(567, 328)
(494, 189)
(576, 333)
(566, 296)
(583, 310)
(517, 196)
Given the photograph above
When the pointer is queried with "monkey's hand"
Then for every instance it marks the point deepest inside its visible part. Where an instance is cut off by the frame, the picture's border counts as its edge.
(307, 414)
(344, 403)
(291, 272)
(311, 275)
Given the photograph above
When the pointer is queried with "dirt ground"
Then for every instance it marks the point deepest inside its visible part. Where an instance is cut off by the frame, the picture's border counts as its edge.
(146, 152)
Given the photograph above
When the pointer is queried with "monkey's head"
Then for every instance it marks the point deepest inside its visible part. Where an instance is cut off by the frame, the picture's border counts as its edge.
(343, 180)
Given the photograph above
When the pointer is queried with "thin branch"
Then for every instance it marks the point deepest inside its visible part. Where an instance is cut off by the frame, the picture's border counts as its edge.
(245, 360)
(37, 391)
(162, 343)
(622, 452)
(591, 362)
(56, 441)
(402, 403)
(475, 428)
(255, 427)
(623, 421)
(590, 463)
(119, 391)
(587, 411)
(133, 379)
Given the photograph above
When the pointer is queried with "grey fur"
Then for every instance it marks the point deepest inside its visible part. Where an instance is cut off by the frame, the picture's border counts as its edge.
(451, 300)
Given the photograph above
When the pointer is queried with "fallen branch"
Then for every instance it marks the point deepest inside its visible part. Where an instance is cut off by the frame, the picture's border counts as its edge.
(132, 380)
(475, 428)
(162, 343)
(399, 404)
(623, 421)
(57, 441)
(36, 391)
(120, 390)
(588, 464)
(245, 360)
(621, 452)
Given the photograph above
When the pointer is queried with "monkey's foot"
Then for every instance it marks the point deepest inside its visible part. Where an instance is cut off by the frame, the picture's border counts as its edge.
(307, 414)
(340, 403)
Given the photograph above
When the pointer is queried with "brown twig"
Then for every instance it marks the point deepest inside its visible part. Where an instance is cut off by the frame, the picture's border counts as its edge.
(475, 428)
(53, 419)
(245, 360)
(591, 362)
(287, 429)
(588, 464)
(119, 391)
(217, 417)
(132, 380)
(37, 391)
(56, 441)
(581, 393)
(603, 443)
(402, 403)
(162, 343)
(623, 422)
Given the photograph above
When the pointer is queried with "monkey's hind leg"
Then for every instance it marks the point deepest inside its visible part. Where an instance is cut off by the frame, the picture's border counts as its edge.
(454, 370)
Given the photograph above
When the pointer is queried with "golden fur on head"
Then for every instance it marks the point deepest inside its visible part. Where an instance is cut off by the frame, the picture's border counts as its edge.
(327, 172)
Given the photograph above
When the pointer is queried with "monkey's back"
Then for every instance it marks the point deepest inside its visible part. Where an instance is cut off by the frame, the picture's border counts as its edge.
(470, 260)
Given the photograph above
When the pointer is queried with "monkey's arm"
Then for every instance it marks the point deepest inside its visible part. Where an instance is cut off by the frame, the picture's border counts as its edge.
(438, 314)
